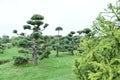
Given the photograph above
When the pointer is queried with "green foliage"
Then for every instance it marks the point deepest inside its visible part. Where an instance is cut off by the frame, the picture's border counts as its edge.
(22, 34)
(58, 28)
(14, 31)
(4, 61)
(58, 40)
(26, 26)
(14, 41)
(20, 60)
(37, 17)
(86, 30)
(66, 43)
(72, 32)
(100, 56)
(24, 51)
(34, 22)
(72, 42)
(5, 39)
(80, 32)
(24, 43)
(2, 48)
(36, 35)
(45, 25)
(35, 40)
(44, 47)
(96, 61)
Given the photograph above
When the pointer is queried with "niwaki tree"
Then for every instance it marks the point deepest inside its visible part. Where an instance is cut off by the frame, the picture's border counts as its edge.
(58, 39)
(35, 25)
(4, 43)
(71, 46)
(71, 42)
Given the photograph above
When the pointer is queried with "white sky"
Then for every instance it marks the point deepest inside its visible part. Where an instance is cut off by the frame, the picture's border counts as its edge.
(72, 15)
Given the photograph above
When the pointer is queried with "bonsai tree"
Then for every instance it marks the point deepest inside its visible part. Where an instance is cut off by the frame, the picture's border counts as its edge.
(36, 37)
(72, 42)
(58, 39)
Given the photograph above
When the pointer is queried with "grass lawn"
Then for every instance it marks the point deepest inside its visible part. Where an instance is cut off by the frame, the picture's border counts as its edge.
(52, 68)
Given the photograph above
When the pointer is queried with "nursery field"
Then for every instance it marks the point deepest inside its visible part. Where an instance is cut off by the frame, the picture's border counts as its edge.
(92, 53)
(52, 68)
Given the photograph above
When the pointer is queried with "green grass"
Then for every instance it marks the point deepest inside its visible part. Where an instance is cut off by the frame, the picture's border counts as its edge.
(9, 53)
(52, 68)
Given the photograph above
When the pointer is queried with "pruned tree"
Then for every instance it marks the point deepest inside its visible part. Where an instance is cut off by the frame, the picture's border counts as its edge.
(72, 42)
(36, 37)
(58, 39)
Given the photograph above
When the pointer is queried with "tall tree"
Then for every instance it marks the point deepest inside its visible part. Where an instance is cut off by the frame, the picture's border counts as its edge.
(36, 21)
(58, 39)
(58, 29)
(72, 43)
(34, 24)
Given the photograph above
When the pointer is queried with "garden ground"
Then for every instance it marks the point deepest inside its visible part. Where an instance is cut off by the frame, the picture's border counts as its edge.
(52, 68)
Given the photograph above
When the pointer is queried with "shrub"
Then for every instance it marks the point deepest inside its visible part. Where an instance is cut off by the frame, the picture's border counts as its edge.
(4, 61)
(7, 45)
(20, 60)
(101, 57)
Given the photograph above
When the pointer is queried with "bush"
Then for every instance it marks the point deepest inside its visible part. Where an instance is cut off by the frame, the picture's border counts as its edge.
(101, 57)
(20, 60)
(7, 45)
(4, 61)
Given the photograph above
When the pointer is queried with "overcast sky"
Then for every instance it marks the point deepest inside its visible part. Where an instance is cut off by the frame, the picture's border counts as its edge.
(72, 15)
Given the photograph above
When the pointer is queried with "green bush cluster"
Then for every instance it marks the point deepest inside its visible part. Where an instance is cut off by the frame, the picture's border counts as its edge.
(100, 55)
(20, 60)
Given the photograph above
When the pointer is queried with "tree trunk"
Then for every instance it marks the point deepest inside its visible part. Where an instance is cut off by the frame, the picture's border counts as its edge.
(58, 42)
(34, 55)
(58, 32)
(57, 52)
(72, 52)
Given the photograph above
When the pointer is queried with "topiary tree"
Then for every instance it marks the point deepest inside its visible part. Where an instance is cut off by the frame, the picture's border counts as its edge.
(72, 42)
(100, 59)
(4, 43)
(58, 39)
(36, 37)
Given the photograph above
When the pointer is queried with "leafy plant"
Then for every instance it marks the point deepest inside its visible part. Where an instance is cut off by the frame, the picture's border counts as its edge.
(35, 40)
(2, 48)
(58, 40)
(100, 59)
(20, 60)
